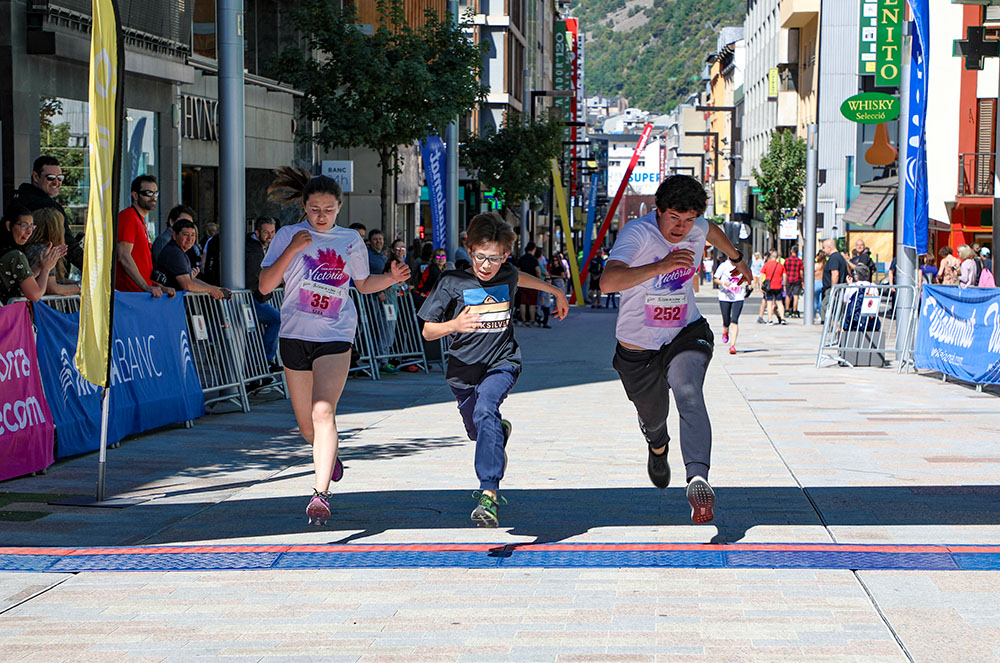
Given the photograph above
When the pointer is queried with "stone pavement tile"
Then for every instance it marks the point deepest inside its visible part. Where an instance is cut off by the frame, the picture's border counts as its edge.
(957, 612)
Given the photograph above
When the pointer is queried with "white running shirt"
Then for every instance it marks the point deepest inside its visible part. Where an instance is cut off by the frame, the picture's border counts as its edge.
(318, 304)
(654, 312)
(732, 290)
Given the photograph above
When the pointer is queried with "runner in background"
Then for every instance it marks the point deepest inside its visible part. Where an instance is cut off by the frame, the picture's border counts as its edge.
(664, 343)
(731, 296)
(317, 259)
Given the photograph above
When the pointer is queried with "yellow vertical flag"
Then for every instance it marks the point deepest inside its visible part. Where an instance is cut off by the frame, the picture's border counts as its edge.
(96, 287)
(574, 269)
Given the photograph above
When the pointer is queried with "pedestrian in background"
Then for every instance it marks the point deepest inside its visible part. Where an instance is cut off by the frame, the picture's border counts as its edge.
(819, 264)
(950, 267)
(794, 274)
(968, 272)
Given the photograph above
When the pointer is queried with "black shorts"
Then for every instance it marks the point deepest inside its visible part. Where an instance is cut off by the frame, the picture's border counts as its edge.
(772, 295)
(299, 355)
(794, 288)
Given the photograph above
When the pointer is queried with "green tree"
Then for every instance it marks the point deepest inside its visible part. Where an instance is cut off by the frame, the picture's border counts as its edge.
(385, 89)
(515, 160)
(781, 176)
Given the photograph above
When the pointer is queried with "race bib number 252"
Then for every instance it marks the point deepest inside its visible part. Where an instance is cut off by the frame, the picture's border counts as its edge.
(666, 310)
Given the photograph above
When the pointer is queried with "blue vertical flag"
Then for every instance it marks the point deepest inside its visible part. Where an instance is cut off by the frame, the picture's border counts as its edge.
(433, 155)
(915, 217)
(591, 211)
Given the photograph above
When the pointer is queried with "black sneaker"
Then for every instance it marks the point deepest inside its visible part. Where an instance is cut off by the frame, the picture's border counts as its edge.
(507, 428)
(659, 469)
(701, 497)
(487, 512)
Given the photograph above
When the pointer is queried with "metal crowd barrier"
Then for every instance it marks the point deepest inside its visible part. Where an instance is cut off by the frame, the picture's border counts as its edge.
(867, 324)
(249, 340)
(393, 330)
(61, 303)
(217, 354)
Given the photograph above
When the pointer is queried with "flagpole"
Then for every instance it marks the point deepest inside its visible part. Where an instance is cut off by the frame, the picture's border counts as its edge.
(113, 144)
(116, 169)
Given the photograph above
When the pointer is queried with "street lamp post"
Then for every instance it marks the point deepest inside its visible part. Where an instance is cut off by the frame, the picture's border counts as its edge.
(732, 147)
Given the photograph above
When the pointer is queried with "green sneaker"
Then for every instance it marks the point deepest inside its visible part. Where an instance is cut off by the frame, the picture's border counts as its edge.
(486, 513)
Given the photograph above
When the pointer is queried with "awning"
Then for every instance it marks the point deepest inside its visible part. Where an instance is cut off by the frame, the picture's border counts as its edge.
(875, 196)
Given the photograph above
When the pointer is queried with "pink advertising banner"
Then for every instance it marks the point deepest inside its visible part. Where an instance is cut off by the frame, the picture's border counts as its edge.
(26, 429)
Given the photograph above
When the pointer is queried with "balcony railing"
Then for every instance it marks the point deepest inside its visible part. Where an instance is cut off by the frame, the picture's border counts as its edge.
(975, 174)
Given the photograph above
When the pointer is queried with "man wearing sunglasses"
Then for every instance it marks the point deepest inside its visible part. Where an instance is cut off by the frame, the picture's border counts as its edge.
(134, 271)
(45, 185)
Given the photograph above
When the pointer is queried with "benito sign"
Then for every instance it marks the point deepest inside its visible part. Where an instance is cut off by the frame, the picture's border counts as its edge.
(870, 108)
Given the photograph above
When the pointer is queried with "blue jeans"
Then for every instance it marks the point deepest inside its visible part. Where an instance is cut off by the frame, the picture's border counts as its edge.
(818, 298)
(270, 321)
(480, 409)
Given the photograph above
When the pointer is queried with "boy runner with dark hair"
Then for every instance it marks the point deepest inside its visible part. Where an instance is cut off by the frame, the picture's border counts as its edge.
(474, 306)
(664, 343)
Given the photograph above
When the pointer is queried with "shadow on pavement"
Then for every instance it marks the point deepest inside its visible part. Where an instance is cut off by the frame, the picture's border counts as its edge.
(552, 515)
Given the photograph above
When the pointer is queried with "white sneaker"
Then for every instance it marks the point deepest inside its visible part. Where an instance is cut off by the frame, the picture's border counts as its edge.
(701, 497)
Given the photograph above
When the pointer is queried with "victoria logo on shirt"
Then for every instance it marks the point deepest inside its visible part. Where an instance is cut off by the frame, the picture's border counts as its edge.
(326, 267)
(492, 304)
(674, 280)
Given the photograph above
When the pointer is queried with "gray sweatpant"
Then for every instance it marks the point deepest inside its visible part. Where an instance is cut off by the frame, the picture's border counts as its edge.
(650, 375)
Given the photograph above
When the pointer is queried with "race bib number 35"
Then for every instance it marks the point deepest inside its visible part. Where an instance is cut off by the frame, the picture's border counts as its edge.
(321, 298)
(666, 310)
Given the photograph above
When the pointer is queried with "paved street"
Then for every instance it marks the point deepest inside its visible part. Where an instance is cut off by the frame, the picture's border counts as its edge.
(803, 457)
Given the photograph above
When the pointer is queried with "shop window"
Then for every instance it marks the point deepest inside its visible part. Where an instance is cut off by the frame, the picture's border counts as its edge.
(64, 133)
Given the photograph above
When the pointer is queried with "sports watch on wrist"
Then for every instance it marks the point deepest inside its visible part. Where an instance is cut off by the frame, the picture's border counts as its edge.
(738, 258)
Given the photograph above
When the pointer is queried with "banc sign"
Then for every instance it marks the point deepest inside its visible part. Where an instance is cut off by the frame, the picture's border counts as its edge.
(199, 118)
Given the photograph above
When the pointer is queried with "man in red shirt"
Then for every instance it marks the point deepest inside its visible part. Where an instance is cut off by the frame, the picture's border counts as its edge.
(772, 279)
(134, 251)
(794, 273)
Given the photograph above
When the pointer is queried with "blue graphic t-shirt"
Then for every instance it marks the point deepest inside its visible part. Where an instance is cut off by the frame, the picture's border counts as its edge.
(490, 346)
(654, 312)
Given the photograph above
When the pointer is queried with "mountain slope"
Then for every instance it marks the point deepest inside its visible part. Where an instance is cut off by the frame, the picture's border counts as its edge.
(651, 51)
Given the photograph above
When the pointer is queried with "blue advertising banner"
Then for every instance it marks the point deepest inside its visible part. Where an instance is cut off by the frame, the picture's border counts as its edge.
(958, 333)
(75, 403)
(153, 378)
(915, 217)
(433, 154)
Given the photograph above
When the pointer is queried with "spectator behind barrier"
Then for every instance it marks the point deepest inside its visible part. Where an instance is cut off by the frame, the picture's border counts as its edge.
(176, 266)
(177, 212)
(133, 250)
(268, 316)
(49, 232)
(361, 228)
(45, 186)
(855, 297)
(16, 276)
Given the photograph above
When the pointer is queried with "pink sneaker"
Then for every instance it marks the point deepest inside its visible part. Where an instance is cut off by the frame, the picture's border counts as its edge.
(732, 349)
(725, 338)
(318, 509)
(338, 470)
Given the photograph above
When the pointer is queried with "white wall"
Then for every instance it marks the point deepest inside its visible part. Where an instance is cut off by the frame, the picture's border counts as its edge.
(944, 81)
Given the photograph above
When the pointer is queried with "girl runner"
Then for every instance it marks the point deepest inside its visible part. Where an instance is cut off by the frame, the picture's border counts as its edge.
(317, 259)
